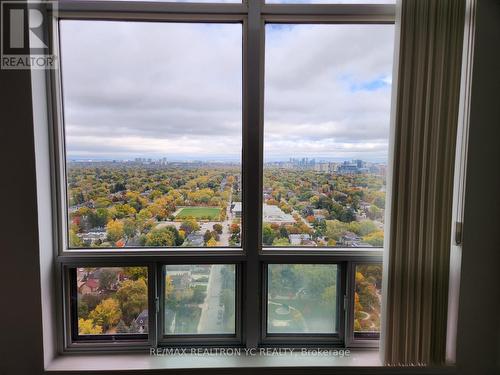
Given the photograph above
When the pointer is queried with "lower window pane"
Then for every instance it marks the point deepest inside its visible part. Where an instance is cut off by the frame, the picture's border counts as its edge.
(200, 299)
(112, 300)
(302, 298)
(367, 300)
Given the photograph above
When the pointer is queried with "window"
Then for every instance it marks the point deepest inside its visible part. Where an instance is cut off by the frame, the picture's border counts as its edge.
(221, 173)
(153, 146)
(367, 300)
(302, 298)
(326, 132)
(200, 299)
(110, 301)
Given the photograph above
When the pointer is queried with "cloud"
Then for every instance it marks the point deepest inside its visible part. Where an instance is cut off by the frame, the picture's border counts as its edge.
(151, 89)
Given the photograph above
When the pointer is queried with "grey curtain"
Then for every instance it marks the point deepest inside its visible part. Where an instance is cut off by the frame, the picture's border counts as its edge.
(426, 117)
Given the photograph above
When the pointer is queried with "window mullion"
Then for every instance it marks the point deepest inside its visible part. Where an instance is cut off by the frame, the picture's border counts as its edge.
(252, 168)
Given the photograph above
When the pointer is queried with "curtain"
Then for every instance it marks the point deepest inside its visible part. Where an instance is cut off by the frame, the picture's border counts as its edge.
(425, 128)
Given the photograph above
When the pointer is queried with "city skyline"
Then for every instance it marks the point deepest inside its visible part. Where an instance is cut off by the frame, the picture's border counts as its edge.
(166, 160)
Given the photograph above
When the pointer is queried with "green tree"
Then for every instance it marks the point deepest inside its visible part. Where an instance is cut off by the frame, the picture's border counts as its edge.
(129, 227)
(107, 277)
(166, 236)
(189, 226)
(281, 242)
(74, 240)
(335, 229)
(367, 227)
(268, 235)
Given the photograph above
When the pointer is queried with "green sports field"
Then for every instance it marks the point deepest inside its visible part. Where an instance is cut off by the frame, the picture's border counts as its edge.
(208, 213)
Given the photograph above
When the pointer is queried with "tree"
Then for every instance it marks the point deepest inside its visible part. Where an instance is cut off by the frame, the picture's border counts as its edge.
(91, 300)
(335, 229)
(207, 235)
(375, 238)
(281, 242)
(268, 235)
(234, 229)
(133, 298)
(367, 227)
(129, 227)
(107, 277)
(98, 218)
(166, 236)
(217, 228)
(211, 242)
(74, 240)
(189, 226)
(119, 186)
(379, 201)
(199, 294)
(114, 230)
(83, 309)
(107, 313)
(374, 212)
(136, 273)
(87, 327)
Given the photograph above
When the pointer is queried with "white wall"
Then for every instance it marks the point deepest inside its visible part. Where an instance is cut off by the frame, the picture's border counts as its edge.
(479, 310)
(478, 346)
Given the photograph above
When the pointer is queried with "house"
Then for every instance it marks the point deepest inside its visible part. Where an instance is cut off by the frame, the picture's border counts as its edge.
(274, 214)
(88, 286)
(236, 209)
(142, 321)
(194, 240)
(350, 239)
(298, 239)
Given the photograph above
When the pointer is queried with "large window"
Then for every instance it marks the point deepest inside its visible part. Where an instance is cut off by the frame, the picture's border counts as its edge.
(326, 131)
(153, 131)
(221, 173)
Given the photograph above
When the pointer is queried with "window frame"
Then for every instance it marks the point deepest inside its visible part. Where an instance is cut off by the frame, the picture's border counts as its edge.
(74, 342)
(200, 340)
(335, 339)
(251, 258)
(363, 339)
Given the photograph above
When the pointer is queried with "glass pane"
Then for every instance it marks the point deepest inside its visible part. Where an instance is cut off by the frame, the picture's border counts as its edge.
(112, 300)
(331, 1)
(189, 1)
(200, 299)
(302, 298)
(153, 127)
(368, 298)
(326, 134)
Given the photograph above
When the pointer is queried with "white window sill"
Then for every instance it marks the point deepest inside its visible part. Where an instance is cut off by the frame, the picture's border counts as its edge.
(107, 362)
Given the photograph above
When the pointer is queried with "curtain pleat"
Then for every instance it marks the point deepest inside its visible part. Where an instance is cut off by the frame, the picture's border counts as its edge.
(426, 120)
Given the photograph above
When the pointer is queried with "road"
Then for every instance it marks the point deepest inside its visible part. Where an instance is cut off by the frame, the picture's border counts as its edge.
(209, 318)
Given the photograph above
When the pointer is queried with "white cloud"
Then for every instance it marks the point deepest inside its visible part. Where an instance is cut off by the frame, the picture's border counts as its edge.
(171, 89)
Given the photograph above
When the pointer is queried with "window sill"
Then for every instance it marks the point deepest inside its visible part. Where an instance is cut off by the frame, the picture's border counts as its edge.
(206, 362)
(142, 361)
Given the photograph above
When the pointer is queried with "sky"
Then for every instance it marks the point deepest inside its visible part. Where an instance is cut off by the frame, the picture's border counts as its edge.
(148, 89)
